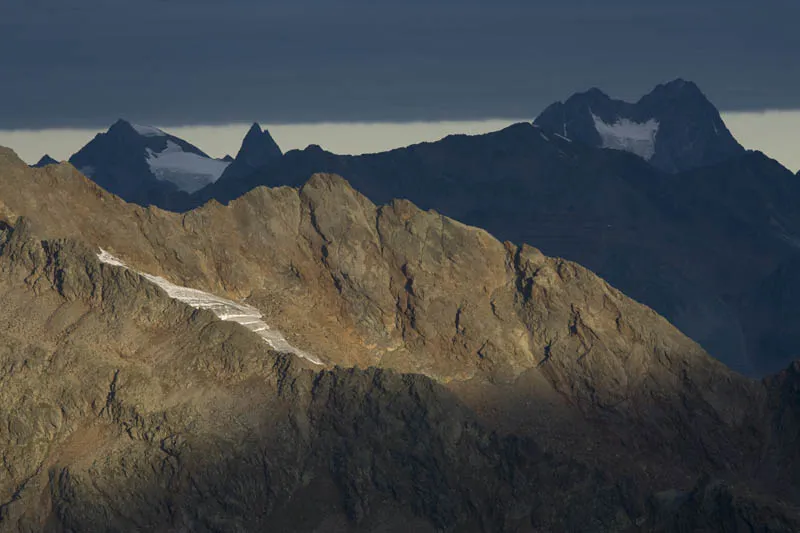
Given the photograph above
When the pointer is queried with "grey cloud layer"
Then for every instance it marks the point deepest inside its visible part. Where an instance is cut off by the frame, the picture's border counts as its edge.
(202, 61)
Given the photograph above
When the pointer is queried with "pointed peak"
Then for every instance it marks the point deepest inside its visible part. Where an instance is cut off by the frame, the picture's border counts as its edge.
(44, 161)
(258, 147)
(255, 129)
(258, 134)
(120, 123)
(121, 127)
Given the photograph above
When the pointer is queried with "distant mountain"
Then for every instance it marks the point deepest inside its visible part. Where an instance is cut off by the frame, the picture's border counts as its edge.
(44, 161)
(674, 128)
(258, 149)
(695, 246)
(145, 165)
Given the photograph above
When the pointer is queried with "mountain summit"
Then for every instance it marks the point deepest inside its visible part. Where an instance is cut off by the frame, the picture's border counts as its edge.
(258, 149)
(143, 164)
(674, 127)
(44, 161)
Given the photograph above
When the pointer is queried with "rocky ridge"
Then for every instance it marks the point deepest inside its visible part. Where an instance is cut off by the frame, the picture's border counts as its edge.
(128, 408)
(644, 231)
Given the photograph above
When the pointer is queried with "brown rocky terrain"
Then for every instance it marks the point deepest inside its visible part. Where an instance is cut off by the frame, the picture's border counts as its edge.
(504, 390)
(646, 232)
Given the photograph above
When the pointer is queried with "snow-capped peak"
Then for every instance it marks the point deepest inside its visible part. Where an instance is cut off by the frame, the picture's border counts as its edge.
(674, 127)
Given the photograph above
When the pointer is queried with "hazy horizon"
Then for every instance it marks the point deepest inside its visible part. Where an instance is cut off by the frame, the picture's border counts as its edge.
(776, 133)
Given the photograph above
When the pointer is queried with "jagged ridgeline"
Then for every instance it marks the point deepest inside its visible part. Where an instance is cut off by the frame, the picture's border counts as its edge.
(633, 191)
(466, 385)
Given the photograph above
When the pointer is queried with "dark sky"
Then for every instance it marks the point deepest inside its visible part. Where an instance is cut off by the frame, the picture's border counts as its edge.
(83, 63)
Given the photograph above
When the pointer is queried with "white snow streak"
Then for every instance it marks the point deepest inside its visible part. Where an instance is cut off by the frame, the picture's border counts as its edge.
(629, 136)
(243, 314)
(109, 259)
(189, 171)
(148, 131)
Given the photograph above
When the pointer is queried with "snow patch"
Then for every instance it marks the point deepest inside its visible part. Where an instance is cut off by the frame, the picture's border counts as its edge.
(109, 259)
(562, 137)
(190, 172)
(228, 310)
(148, 131)
(624, 134)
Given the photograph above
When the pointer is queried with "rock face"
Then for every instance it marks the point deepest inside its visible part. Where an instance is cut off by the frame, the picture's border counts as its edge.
(507, 391)
(645, 231)
(674, 128)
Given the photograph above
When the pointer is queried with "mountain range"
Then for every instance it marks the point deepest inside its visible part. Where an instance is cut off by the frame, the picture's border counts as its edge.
(640, 217)
(504, 390)
(462, 336)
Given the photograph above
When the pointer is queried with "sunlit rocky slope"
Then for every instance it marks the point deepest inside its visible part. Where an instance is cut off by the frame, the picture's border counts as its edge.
(506, 390)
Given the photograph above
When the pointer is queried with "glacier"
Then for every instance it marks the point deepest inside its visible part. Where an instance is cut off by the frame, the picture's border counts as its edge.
(624, 134)
(189, 171)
